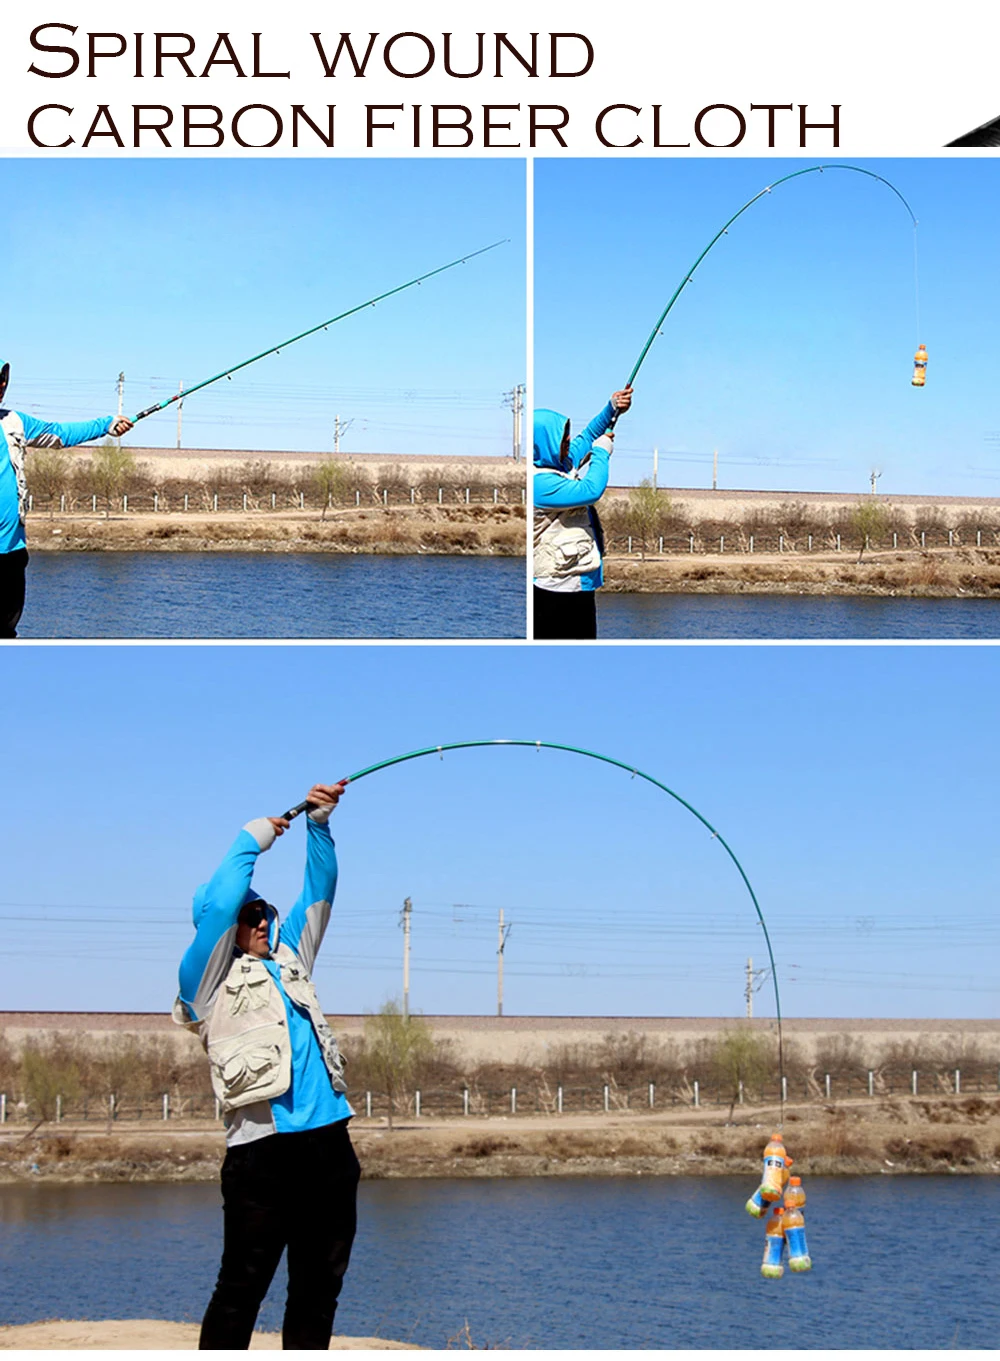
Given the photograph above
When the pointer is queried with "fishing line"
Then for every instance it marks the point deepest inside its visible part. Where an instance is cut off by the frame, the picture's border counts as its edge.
(689, 275)
(635, 773)
(276, 349)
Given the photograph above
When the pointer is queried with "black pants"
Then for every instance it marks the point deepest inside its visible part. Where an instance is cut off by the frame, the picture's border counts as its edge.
(12, 567)
(565, 614)
(287, 1190)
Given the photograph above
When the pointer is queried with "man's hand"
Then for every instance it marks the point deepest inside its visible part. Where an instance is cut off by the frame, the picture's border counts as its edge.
(121, 425)
(280, 825)
(321, 794)
(622, 400)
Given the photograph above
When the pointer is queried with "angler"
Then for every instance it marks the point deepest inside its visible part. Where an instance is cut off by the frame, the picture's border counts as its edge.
(18, 433)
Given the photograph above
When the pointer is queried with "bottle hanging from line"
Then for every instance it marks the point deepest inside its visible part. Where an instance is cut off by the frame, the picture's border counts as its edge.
(773, 1182)
(919, 367)
(774, 1246)
(757, 1205)
(793, 1224)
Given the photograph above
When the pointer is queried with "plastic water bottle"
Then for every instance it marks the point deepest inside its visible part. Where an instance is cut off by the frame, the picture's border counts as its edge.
(793, 1224)
(919, 367)
(775, 1159)
(757, 1205)
(774, 1246)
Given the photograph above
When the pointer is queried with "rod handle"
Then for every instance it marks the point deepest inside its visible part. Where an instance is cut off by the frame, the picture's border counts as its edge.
(292, 813)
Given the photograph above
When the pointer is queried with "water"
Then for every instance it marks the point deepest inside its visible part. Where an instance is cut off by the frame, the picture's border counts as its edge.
(793, 616)
(272, 595)
(562, 1263)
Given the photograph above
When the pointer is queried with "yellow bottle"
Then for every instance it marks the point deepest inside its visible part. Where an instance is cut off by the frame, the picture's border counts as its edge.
(795, 1197)
(774, 1246)
(919, 367)
(793, 1226)
(775, 1159)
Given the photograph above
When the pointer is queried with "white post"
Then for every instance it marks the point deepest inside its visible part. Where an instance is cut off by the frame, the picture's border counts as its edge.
(697, 1094)
(722, 543)
(215, 501)
(838, 543)
(185, 502)
(828, 1086)
(440, 495)
(630, 543)
(607, 1104)
(690, 543)
(274, 500)
(958, 1081)
(417, 1102)
(62, 503)
(31, 501)
(559, 1096)
(244, 500)
(368, 1105)
(58, 1109)
(809, 541)
(466, 496)
(3, 1108)
(465, 1101)
(781, 543)
(156, 501)
(513, 1100)
(652, 1095)
(93, 503)
(357, 498)
(661, 545)
(111, 1106)
(741, 1091)
(784, 1087)
(166, 1106)
(125, 503)
(751, 543)
(871, 1083)
(913, 1082)
(385, 496)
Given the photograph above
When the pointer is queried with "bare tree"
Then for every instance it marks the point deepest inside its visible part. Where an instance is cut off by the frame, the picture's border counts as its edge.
(396, 1047)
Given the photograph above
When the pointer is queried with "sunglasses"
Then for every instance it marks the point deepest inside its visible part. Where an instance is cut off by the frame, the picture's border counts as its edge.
(252, 916)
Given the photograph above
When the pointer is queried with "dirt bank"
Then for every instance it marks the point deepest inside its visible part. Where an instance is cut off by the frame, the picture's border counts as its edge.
(141, 1334)
(876, 1135)
(473, 530)
(934, 573)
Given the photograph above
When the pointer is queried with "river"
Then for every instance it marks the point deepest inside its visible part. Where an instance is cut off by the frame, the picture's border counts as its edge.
(899, 1262)
(272, 595)
(644, 616)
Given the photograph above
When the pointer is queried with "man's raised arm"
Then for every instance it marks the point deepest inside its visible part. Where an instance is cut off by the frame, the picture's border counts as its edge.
(305, 926)
(216, 910)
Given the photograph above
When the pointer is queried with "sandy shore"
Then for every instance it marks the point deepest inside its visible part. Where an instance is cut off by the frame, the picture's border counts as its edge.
(957, 573)
(119, 1335)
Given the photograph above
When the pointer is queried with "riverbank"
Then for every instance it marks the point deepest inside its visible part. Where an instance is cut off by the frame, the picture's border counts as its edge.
(119, 1335)
(888, 1136)
(468, 530)
(939, 573)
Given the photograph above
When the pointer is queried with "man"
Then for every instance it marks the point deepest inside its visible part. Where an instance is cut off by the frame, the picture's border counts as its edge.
(571, 476)
(290, 1175)
(17, 433)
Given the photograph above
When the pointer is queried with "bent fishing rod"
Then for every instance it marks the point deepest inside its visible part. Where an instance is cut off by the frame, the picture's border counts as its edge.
(723, 230)
(291, 813)
(322, 326)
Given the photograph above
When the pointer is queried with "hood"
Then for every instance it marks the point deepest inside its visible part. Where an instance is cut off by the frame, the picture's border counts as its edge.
(550, 429)
(199, 903)
(4, 379)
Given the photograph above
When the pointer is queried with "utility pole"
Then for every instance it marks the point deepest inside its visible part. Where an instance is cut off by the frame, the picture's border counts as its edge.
(502, 933)
(715, 470)
(515, 400)
(748, 993)
(407, 909)
(121, 399)
(876, 473)
(180, 411)
(656, 466)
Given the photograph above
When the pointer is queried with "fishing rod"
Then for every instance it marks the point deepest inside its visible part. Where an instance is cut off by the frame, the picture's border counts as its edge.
(322, 326)
(292, 813)
(809, 170)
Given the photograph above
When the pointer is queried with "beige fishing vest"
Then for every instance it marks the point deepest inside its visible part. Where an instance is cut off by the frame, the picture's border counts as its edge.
(246, 1033)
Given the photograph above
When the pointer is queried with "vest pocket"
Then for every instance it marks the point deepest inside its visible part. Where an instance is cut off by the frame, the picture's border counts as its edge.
(250, 1066)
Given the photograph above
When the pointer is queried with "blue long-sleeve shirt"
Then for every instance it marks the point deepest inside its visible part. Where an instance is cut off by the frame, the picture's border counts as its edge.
(310, 1100)
(24, 431)
(553, 491)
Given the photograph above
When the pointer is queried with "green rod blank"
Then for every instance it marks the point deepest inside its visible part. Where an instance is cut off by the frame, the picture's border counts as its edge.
(276, 349)
(809, 170)
(621, 765)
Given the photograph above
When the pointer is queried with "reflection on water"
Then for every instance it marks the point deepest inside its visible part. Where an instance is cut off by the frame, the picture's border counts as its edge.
(562, 1263)
(793, 616)
(272, 595)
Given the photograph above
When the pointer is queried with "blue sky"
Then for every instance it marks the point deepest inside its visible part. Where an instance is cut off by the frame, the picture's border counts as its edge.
(855, 784)
(791, 352)
(172, 270)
